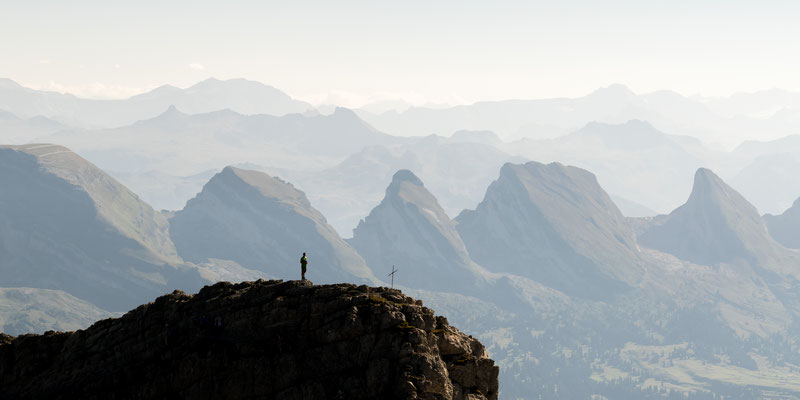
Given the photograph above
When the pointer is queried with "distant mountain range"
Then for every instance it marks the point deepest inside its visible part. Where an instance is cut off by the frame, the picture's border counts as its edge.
(186, 133)
(240, 95)
(772, 114)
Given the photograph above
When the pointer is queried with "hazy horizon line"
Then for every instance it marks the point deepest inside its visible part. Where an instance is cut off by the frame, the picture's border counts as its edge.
(343, 98)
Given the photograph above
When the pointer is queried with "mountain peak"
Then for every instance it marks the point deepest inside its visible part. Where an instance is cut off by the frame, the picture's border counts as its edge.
(708, 187)
(705, 174)
(344, 112)
(172, 110)
(715, 225)
(405, 175)
(411, 230)
(262, 223)
(268, 186)
(554, 224)
(613, 91)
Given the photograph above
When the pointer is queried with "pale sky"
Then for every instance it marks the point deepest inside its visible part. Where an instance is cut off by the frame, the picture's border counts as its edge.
(422, 51)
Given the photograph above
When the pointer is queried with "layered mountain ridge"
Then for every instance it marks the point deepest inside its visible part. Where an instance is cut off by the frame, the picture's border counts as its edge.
(67, 225)
(241, 95)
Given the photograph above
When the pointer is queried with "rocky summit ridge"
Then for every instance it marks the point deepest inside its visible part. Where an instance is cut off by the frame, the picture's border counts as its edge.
(262, 339)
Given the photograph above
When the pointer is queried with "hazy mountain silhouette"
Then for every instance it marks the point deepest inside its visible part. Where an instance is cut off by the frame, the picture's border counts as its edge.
(483, 137)
(409, 229)
(628, 159)
(751, 149)
(15, 130)
(243, 96)
(716, 225)
(263, 224)
(785, 228)
(458, 172)
(630, 208)
(67, 225)
(770, 181)
(184, 144)
(543, 118)
(707, 119)
(553, 224)
(30, 310)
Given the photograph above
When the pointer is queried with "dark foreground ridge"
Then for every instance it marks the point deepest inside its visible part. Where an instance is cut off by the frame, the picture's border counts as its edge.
(263, 339)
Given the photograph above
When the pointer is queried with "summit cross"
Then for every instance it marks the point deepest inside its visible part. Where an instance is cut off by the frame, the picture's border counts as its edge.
(392, 275)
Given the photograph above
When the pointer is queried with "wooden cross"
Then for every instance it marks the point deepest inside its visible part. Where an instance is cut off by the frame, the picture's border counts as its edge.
(392, 275)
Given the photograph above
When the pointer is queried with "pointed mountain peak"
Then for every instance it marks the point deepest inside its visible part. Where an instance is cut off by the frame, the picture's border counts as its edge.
(411, 230)
(405, 175)
(715, 225)
(206, 83)
(172, 110)
(343, 112)
(211, 80)
(262, 223)
(712, 190)
(705, 175)
(554, 224)
(407, 188)
(706, 180)
(170, 115)
(268, 186)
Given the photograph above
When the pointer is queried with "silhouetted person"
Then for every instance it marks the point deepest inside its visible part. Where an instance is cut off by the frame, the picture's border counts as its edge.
(303, 263)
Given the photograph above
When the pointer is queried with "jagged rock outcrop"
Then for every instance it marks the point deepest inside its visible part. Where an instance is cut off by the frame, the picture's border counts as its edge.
(66, 225)
(556, 225)
(263, 339)
(410, 230)
(785, 228)
(716, 225)
(264, 224)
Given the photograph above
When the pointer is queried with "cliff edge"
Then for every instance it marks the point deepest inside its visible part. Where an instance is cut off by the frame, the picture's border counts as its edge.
(263, 339)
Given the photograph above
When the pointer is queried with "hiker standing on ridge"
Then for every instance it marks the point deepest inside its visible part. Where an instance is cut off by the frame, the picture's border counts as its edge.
(303, 263)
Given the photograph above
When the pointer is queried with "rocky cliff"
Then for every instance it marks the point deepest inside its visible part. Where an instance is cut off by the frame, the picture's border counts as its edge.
(263, 339)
